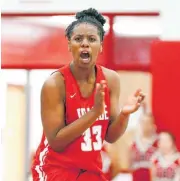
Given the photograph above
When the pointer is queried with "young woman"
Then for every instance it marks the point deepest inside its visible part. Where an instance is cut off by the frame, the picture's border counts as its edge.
(80, 108)
(166, 163)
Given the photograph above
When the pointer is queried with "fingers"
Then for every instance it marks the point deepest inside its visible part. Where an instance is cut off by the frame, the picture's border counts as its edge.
(140, 96)
(137, 92)
(103, 84)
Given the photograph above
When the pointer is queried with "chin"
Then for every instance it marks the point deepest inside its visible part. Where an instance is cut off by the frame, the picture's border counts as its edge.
(86, 65)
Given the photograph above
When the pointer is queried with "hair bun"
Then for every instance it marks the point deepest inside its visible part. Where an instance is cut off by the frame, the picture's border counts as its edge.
(93, 13)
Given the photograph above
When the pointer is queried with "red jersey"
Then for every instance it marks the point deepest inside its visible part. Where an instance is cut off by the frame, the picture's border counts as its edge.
(167, 170)
(142, 152)
(84, 152)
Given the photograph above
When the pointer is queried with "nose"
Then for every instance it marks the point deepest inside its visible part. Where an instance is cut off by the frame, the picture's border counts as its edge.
(85, 43)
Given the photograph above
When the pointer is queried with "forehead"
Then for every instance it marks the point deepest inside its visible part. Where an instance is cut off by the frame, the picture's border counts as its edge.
(165, 136)
(85, 29)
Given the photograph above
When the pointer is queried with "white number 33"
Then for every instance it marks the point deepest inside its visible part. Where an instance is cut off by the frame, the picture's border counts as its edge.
(88, 144)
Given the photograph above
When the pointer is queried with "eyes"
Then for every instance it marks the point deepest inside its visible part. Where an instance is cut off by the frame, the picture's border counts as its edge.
(79, 39)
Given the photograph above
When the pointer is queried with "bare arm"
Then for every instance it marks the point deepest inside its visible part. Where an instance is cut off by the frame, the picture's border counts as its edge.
(118, 121)
(58, 134)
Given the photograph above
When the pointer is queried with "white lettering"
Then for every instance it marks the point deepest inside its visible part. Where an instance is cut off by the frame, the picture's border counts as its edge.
(83, 111)
(101, 117)
(79, 112)
(104, 116)
(88, 144)
(106, 113)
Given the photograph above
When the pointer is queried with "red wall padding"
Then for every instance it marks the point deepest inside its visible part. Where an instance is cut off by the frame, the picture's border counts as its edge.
(50, 49)
(166, 86)
(133, 52)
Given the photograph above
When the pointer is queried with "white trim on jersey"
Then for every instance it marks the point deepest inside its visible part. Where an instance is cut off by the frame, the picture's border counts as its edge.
(164, 163)
(42, 176)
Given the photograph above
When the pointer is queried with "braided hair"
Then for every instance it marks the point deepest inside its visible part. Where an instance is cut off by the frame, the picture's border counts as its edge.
(90, 16)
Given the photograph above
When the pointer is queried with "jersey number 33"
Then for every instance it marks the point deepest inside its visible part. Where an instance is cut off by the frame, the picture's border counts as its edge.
(89, 144)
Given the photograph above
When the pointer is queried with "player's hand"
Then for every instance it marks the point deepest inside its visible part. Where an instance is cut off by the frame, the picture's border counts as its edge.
(133, 103)
(99, 97)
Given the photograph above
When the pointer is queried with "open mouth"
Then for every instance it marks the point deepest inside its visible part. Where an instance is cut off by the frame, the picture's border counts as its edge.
(85, 56)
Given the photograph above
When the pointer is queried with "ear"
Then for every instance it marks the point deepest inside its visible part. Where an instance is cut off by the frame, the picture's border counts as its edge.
(69, 46)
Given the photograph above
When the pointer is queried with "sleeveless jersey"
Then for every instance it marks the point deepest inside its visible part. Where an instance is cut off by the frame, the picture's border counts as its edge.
(84, 152)
(142, 152)
(167, 170)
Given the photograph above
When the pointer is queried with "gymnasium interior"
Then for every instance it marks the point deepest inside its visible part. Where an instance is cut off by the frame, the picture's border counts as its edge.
(142, 44)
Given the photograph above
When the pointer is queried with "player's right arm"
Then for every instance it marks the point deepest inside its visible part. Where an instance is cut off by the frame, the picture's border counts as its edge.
(58, 134)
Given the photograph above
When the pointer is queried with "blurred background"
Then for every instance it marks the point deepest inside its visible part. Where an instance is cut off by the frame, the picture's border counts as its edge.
(141, 44)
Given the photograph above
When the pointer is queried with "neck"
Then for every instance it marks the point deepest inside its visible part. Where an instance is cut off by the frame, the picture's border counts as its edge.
(169, 153)
(82, 74)
(147, 135)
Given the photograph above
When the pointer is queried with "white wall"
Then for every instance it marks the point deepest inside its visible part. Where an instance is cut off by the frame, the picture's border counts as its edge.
(169, 9)
(170, 22)
(72, 6)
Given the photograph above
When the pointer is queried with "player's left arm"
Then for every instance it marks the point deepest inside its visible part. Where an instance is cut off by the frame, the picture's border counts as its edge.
(118, 121)
(119, 116)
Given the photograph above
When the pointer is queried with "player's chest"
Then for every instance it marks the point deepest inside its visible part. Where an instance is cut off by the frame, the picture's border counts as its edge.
(76, 105)
(76, 112)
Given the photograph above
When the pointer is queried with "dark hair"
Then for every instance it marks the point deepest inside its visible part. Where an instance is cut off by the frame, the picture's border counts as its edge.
(88, 16)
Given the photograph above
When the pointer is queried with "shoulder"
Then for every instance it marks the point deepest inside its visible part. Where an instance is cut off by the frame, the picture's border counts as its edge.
(112, 77)
(110, 74)
(54, 83)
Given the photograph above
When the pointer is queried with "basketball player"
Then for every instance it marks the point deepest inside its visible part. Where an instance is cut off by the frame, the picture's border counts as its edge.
(143, 147)
(166, 163)
(80, 108)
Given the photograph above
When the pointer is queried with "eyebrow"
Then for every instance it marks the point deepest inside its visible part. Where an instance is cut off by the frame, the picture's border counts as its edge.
(83, 34)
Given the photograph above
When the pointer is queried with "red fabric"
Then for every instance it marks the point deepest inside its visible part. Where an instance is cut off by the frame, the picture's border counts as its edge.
(166, 86)
(142, 174)
(84, 152)
(92, 177)
(132, 51)
(62, 174)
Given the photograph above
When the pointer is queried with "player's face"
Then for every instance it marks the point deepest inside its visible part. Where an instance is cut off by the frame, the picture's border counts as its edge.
(165, 143)
(85, 45)
(147, 124)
